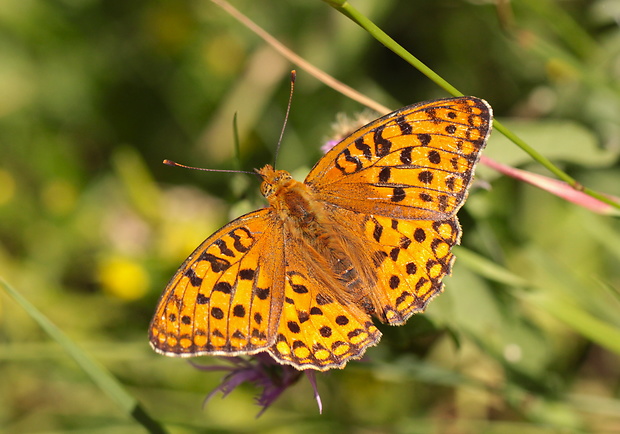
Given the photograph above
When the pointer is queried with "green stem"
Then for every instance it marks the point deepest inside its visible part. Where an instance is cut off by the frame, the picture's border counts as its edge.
(346, 9)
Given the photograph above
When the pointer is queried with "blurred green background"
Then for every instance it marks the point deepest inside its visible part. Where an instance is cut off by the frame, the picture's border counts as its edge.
(94, 94)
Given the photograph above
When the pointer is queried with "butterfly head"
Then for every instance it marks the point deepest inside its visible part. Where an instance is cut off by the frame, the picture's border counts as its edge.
(273, 180)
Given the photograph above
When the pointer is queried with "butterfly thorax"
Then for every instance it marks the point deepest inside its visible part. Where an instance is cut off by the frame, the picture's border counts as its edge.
(305, 220)
(294, 204)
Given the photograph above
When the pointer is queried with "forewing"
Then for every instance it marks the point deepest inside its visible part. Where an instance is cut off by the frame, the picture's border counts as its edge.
(415, 163)
(226, 298)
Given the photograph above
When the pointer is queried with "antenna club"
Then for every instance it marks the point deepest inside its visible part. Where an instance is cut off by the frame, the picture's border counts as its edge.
(293, 76)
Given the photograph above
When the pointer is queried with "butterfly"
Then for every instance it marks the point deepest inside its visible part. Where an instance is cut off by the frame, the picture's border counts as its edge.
(367, 234)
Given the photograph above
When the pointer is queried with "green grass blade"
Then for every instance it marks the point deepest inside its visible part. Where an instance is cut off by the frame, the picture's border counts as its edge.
(100, 376)
(570, 313)
(489, 269)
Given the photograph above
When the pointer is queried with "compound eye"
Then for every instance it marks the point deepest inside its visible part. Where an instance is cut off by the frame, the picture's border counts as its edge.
(266, 189)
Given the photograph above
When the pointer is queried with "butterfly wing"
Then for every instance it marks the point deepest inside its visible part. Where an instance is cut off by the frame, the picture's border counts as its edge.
(321, 329)
(411, 257)
(244, 291)
(225, 299)
(415, 163)
(396, 185)
(317, 329)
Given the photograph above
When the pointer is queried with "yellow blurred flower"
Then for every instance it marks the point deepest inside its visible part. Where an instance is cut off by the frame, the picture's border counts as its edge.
(123, 278)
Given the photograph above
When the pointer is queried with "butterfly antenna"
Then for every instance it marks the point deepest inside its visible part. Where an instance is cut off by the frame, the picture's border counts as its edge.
(288, 110)
(172, 163)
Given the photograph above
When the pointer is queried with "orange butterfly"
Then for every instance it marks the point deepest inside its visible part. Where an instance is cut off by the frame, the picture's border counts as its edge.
(367, 234)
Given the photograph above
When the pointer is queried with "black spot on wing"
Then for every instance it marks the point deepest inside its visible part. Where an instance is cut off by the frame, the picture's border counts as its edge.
(382, 145)
(194, 280)
(238, 244)
(360, 145)
(217, 264)
(224, 248)
(405, 127)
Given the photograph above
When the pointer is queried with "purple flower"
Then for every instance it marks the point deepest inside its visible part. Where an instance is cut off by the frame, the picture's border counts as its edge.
(328, 145)
(262, 371)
